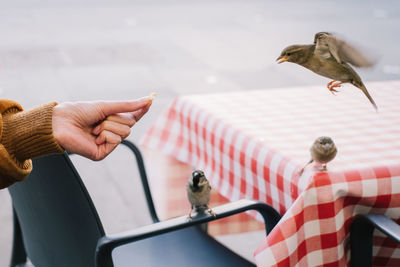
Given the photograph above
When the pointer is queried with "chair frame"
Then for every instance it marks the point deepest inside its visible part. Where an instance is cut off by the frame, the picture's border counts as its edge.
(105, 245)
(361, 236)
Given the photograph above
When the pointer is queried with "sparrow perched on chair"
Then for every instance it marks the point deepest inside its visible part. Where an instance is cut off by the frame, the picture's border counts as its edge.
(322, 151)
(199, 193)
(330, 57)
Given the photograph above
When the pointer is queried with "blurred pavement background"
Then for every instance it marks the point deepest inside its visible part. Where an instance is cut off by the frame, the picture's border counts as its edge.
(115, 49)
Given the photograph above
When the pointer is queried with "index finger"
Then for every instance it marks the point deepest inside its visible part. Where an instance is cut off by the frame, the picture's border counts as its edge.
(113, 107)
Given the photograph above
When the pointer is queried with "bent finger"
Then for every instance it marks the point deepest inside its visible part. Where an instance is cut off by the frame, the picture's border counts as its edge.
(128, 118)
(138, 114)
(108, 137)
(123, 118)
(104, 150)
(114, 127)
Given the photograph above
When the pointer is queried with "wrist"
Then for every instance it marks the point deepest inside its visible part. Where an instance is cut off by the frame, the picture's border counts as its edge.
(57, 132)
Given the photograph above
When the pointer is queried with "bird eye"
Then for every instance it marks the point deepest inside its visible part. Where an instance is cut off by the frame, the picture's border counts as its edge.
(288, 54)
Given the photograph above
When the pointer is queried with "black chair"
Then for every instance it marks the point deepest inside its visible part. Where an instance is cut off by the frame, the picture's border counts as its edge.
(56, 225)
(361, 235)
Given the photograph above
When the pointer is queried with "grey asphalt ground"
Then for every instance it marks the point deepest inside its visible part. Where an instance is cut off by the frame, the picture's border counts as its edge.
(113, 49)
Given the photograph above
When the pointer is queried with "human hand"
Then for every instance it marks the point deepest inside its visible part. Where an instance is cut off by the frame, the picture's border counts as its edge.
(94, 129)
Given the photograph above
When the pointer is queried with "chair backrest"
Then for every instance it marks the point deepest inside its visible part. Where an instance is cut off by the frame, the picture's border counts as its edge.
(59, 223)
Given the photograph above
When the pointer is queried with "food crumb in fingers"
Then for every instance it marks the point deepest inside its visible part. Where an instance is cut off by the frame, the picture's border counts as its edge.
(153, 95)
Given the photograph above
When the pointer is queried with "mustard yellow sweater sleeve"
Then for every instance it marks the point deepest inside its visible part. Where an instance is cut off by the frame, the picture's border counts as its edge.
(24, 135)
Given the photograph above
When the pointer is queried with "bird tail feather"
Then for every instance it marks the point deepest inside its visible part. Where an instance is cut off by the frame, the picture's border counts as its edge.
(366, 93)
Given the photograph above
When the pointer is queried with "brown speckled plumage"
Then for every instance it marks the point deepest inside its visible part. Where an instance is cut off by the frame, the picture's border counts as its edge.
(330, 57)
(199, 192)
(322, 151)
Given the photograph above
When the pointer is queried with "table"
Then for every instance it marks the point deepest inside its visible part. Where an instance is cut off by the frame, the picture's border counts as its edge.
(252, 144)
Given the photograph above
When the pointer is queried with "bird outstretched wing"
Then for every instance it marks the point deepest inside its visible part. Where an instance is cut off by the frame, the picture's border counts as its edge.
(340, 50)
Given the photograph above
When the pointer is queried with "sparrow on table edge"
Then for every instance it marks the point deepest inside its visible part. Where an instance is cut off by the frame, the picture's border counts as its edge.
(322, 151)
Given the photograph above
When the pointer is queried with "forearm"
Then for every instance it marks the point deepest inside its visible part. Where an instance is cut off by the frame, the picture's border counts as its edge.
(24, 135)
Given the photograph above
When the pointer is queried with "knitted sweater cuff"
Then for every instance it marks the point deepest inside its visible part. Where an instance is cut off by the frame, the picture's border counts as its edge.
(26, 135)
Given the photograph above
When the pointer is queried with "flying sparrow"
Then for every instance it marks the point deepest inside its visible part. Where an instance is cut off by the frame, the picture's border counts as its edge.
(199, 193)
(330, 57)
(322, 151)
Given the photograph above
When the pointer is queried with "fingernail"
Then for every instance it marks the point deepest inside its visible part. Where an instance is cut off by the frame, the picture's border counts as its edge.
(148, 98)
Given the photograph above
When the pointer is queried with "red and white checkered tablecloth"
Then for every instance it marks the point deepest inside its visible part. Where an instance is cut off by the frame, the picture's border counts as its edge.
(252, 145)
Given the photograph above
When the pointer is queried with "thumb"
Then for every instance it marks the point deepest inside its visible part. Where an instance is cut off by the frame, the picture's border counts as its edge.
(113, 107)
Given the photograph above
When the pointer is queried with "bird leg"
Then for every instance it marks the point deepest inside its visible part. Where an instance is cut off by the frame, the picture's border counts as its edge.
(324, 169)
(190, 213)
(211, 211)
(332, 85)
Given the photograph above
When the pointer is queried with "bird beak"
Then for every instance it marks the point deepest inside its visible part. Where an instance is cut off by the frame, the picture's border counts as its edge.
(281, 59)
(327, 146)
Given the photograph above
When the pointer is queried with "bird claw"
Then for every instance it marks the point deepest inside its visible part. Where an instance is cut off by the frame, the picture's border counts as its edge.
(333, 91)
(212, 212)
(190, 214)
(331, 86)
